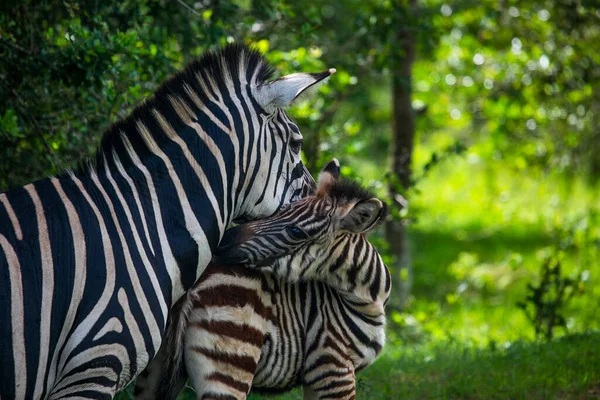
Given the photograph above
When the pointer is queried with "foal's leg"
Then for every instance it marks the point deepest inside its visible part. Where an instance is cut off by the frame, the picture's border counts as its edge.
(221, 356)
(330, 381)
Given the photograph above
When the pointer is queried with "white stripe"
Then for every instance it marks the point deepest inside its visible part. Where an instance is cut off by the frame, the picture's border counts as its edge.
(208, 140)
(114, 349)
(220, 103)
(112, 325)
(204, 182)
(138, 203)
(255, 149)
(186, 114)
(196, 100)
(101, 372)
(47, 267)
(236, 102)
(217, 280)
(134, 330)
(12, 216)
(17, 318)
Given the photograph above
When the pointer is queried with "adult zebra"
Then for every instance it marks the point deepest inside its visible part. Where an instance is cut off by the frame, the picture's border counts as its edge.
(312, 313)
(91, 260)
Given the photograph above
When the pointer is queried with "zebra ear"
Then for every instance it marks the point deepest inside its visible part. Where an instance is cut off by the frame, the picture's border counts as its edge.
(363, 216)
(328, 176)
(281, 92)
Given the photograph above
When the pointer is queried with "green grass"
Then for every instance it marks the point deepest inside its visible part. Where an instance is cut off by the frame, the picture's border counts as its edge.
(567, 368)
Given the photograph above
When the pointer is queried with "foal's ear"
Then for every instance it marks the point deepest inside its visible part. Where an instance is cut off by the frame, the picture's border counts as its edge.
(281, 92)
(364, 216)
(328, 177)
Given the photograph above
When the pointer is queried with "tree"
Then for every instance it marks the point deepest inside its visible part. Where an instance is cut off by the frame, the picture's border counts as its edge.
(70, 69)
(403, 136)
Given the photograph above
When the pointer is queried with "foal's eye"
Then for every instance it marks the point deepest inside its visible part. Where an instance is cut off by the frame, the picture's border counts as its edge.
(296, 233)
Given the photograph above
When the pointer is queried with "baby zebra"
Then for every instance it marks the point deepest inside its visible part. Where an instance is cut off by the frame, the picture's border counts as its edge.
(304, 304)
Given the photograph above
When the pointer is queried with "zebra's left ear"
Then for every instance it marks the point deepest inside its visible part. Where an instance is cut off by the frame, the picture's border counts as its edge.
(364, 216)
(328, 177)
(281, 92)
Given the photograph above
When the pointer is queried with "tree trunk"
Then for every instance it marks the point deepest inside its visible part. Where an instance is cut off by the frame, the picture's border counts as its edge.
(403, 133)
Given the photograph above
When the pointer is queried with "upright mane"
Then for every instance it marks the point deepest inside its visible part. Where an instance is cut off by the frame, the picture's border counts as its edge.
(347, 190)
(216, 69)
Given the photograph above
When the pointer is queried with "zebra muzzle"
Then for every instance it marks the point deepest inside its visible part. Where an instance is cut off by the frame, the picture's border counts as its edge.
(230, 249)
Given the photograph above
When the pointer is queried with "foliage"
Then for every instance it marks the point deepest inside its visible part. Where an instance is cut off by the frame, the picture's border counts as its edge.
(497, 74)
(545, 302)
(480, 235)
(66, 79)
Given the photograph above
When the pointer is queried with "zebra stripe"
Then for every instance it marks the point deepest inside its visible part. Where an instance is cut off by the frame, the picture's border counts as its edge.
(17, 319)
(314, 316)
(92, 259)
(47, 286)
(13, 217)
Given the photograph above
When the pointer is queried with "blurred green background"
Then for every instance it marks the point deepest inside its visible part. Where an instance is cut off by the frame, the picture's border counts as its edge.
(478, 121)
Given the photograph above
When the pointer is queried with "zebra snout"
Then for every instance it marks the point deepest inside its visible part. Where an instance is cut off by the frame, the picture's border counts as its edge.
(229, 250)
(230, 256)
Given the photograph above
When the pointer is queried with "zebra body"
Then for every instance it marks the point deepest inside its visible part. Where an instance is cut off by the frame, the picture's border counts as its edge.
(91, 260)
(313, 317)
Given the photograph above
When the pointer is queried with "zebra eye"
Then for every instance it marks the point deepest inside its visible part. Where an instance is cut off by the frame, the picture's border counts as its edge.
(296, 146)
(296, 232)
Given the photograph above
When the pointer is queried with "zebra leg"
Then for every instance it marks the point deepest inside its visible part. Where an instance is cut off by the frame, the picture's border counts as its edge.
(148, 381)
(156, 382)
(218, 374)
(221, 365)
(308, 393)
(333, 383)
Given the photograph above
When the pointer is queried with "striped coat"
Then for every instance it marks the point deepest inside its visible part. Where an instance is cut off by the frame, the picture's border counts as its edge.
(91, 260)
(313, 317)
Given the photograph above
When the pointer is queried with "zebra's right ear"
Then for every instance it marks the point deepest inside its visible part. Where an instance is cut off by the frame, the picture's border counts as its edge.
(281, 92)
(328, 176)
(364, 216)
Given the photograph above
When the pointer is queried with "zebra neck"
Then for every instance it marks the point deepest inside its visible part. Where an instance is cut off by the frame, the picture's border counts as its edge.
(353, 291)
(363, 304)
(362, 298)
(181, 217)
(190, 159)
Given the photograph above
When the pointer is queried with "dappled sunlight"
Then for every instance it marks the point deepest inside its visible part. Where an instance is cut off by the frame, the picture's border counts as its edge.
(480, 236)
(469, 193)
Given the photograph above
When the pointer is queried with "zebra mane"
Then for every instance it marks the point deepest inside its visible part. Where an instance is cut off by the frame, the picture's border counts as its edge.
(346, 190)
(216, 69)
